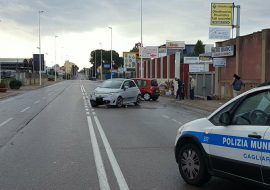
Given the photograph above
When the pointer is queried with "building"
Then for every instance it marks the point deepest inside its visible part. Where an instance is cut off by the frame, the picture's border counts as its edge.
(248, 56)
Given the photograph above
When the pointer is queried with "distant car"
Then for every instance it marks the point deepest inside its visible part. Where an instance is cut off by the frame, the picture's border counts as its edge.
(233, 142)
(148, 87)
(116, 92)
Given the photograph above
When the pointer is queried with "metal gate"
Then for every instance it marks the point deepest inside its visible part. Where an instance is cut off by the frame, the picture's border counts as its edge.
(205, 84)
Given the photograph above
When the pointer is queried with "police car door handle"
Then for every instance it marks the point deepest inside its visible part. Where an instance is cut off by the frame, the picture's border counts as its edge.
(255, 136)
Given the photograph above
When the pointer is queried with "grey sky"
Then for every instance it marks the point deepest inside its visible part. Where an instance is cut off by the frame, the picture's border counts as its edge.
(185, 20)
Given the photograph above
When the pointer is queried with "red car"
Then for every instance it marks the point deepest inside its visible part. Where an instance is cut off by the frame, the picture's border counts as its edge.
(148, 87)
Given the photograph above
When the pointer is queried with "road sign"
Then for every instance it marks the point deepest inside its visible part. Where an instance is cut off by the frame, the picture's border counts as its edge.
(130, 59)
(222, 14)
(149, 52)
(219, 33)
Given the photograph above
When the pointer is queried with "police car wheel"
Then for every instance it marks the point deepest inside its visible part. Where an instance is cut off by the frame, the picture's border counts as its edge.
(192, 165)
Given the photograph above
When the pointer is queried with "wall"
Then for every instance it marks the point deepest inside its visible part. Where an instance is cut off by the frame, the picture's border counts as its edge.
(251, 62)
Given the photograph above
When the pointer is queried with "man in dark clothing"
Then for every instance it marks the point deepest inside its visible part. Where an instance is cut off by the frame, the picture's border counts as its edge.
(179, 89)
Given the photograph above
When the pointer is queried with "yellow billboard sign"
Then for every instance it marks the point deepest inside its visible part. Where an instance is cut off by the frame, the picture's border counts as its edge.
(222, 14)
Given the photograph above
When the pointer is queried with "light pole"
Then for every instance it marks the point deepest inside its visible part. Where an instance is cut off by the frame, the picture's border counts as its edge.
(39, 12)
(141, 44)
(101, 61)
(94, 67)
(55, 57)
(0, 67)
(110, 27)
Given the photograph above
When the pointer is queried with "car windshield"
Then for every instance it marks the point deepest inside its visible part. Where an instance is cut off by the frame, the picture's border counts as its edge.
(115, 84)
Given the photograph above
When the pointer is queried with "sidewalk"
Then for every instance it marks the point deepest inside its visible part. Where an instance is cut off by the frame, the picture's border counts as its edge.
(206, 105)
(24, 89)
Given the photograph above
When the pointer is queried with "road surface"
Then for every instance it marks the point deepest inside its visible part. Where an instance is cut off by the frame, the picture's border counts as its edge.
(51, 138)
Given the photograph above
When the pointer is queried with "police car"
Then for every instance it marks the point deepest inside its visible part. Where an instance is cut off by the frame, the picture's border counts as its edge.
(234, 141)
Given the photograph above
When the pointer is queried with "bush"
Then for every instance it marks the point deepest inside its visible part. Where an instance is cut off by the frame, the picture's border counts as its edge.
(3, 85)
(15, 84)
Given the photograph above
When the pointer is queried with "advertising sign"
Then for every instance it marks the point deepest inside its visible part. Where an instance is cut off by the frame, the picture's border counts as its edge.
(130, 59)
(197, 68)
(222, 14)
(175, 44)
(191, 60)
(149, 52)
(219, 62)
(219, 33)
(223, 51)
(106, 65)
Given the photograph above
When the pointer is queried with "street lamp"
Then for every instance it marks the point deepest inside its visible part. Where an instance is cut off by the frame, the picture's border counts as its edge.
(0, 66)
(39, 12)
(55, 57)
(101, 61)
(110, 27)
(141, 44)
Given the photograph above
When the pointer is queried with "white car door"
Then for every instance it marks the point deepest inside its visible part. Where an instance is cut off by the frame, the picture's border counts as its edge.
(126, 91)
(235, 147)
(265, 143)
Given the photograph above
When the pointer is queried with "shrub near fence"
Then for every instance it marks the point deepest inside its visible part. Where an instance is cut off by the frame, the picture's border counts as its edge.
(15, 84)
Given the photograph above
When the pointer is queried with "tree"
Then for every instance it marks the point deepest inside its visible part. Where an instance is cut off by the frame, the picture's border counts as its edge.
(199, 48)
(136, 47)
(106, 57)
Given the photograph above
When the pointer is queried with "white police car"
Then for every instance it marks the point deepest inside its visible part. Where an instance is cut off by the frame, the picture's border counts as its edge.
(234, 141)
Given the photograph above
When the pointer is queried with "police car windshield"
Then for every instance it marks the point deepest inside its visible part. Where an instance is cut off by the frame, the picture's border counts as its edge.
(114, 84)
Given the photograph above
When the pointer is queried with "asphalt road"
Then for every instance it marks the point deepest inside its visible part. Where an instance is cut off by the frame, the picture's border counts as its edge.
(51, 138)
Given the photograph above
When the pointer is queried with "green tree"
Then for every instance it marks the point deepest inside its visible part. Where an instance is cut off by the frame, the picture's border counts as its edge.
(106, 57)
(136, 47)
(199, 48)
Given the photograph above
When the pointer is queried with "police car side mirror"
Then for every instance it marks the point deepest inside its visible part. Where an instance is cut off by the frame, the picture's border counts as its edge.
(225, 118)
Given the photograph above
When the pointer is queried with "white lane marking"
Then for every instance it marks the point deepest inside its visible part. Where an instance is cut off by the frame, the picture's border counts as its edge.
(165, 116)
(25, 109)
(86, 109)
(175, 120)
(180, 123)
(102, 177)
(92, 110)
(36, 102)
(116, 168)
(5, 122)
(94, 113)
(87, 113)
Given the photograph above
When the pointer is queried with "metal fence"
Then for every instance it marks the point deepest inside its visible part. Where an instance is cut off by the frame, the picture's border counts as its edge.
(205, 84)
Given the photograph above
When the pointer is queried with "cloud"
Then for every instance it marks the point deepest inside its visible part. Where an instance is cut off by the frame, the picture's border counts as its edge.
(82, 24)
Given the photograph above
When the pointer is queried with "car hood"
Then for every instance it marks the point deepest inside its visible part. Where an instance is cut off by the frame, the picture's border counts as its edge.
(100, 90)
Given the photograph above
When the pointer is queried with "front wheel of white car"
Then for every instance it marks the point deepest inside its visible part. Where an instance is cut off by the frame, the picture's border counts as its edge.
(93, 103)
(192, 166)
(119, 102)
(138, 100)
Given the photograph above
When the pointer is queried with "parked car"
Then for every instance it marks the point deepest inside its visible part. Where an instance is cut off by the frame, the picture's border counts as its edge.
(148, 87)
(233, 142)
(116, 92)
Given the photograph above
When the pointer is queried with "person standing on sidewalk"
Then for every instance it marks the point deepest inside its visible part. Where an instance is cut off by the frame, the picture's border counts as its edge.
(179, 89)
(236, 85)
(191, 87)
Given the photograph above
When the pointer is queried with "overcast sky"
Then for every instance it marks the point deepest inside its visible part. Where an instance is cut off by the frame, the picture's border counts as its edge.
(82, 25)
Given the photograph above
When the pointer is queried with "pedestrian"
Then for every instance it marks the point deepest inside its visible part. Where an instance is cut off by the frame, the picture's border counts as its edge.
(172, 87)
(236, 85)
(191, 87)
(179, 89)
